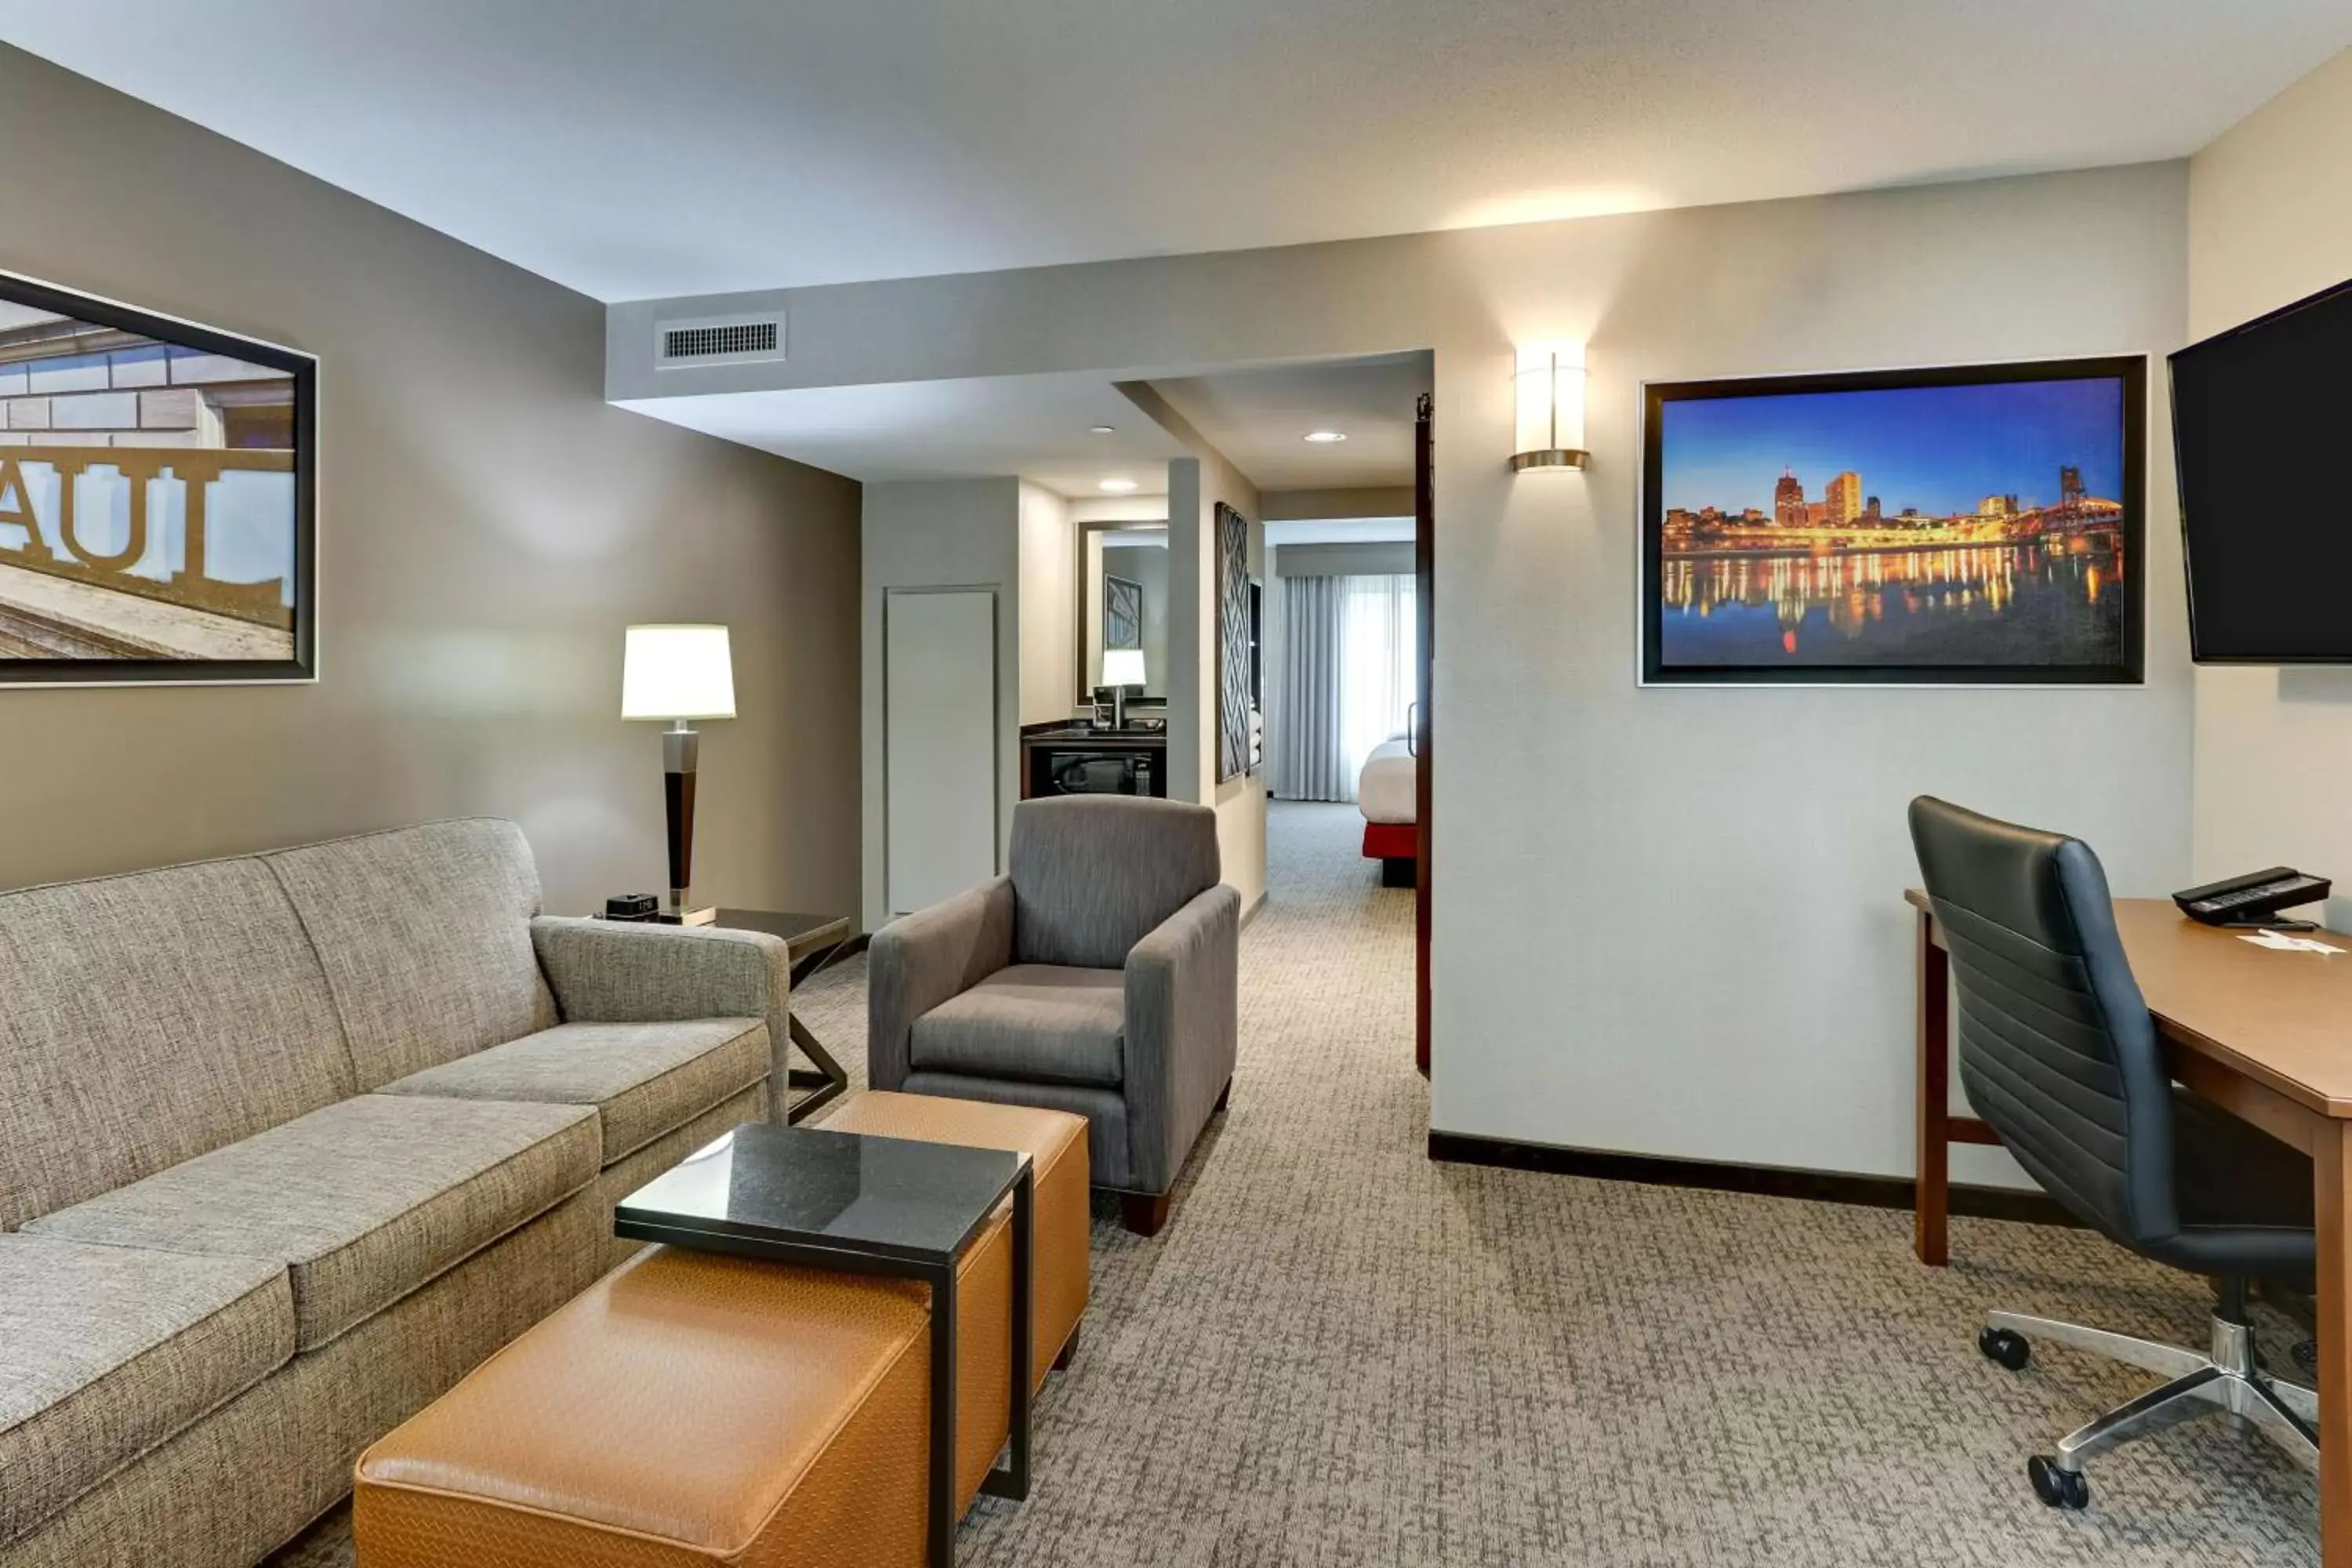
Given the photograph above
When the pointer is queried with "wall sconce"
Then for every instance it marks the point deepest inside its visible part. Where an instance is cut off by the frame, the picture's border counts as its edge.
(1550, 408)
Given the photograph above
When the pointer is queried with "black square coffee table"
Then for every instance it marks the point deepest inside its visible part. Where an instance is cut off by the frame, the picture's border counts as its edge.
(863, 1204)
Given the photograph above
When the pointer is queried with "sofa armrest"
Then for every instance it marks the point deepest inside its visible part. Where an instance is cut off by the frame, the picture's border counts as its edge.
(919, 960)
(1183, 1023)
(624, 972)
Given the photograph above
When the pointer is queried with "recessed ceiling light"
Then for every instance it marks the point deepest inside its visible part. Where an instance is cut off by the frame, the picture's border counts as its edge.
(1118, 487)
(1102, 429)
(1325, 437)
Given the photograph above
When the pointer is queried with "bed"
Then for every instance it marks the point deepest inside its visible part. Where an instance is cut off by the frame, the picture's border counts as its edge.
(1385, 793)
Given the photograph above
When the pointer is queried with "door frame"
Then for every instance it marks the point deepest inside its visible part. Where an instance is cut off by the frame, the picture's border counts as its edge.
(1424, 609)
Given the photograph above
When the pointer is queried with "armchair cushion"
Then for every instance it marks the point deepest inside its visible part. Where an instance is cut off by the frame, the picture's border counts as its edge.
(1093, 874)
(1033, 1022)
(645, 1080)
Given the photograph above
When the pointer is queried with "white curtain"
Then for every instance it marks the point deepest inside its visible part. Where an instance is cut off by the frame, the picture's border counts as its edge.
(1376, 665)
(1347, 673)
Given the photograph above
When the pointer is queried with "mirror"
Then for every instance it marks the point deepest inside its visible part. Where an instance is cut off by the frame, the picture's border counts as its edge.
(1123, 605)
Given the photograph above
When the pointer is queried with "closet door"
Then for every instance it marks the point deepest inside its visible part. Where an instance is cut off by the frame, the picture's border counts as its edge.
(938, 717)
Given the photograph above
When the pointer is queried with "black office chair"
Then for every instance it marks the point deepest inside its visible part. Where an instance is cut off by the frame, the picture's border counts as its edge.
(2060, 1058)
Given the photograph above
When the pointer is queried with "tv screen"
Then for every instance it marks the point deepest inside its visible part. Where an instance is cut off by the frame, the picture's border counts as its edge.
(2260, 419)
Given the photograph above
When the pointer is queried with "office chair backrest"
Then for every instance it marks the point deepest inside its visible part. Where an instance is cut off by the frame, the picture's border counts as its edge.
(2057, 1051)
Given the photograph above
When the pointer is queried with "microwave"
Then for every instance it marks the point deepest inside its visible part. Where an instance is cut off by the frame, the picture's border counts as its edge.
(1083, 769)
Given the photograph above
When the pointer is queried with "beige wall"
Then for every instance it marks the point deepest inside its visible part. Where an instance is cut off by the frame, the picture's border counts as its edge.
(1667, 922)
(487, 527)
(939, 534)
(1049, 607)
(2270, 220)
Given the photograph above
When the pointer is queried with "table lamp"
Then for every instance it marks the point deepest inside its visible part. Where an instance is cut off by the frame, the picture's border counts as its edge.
(1121, 668)
(680, 674)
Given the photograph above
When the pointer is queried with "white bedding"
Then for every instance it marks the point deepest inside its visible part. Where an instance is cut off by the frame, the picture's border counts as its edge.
(1385, 791)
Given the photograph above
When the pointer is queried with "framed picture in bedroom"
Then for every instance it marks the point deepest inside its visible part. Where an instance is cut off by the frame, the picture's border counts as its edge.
(158, 498)
(1977, 525)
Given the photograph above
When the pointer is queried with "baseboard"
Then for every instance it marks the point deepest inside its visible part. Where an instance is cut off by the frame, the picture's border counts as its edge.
(1768, 1181)
(1251, 912)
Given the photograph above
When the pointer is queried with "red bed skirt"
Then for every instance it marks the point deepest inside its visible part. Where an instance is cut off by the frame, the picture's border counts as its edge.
(1390, 841)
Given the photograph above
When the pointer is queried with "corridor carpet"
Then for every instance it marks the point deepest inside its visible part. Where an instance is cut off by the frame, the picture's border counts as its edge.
(1341, 1353)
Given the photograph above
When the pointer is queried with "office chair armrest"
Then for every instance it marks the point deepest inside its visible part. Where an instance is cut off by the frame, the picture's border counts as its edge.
(919, 960)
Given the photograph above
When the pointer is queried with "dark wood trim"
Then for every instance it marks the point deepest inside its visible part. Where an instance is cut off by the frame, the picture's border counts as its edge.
(1765, 1180)
(1143, 1212)
(1425, 806)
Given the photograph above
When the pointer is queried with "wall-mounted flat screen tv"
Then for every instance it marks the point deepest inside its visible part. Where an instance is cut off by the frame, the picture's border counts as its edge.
(2262, 418)
(1950, 525)
(157, 496)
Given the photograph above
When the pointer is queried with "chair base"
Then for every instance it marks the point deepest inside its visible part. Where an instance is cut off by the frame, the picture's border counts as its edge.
(2227, 1378)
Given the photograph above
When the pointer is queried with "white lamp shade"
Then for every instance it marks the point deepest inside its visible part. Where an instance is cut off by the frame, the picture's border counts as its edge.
(1123, 666)
(1550, 397)
(676, 673)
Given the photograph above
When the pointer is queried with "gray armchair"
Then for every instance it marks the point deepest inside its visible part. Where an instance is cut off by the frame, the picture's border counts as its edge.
(1098, 977)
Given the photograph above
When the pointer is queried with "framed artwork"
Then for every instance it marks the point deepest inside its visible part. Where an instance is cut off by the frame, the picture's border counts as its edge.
(1233, 644)
(1122, 612)
(1965, 525)
(158, 498)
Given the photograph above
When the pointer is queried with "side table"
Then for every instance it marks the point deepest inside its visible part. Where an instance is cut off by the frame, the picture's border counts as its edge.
(865, 1204)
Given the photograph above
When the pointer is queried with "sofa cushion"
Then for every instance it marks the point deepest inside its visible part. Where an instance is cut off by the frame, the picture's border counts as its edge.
(1030, 1022)
(425, 933)
(105, 1352)
(149, 1019)
(643, 1079)
(363, 1201)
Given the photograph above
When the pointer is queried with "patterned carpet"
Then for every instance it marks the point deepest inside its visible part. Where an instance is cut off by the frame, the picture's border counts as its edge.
(1341, 1353)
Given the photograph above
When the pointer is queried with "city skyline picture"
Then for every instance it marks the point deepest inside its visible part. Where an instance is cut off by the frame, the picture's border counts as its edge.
(1962, 525)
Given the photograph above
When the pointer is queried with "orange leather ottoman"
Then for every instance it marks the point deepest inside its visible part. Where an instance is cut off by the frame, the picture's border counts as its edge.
(692, 1408)
(1055, 1143)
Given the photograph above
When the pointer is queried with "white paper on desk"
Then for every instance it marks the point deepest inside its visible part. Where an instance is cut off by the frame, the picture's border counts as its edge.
(2283, 942)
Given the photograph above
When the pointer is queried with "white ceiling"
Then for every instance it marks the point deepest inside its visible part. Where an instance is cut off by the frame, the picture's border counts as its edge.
(1259, 419)
(1033, 425)
(632, 150)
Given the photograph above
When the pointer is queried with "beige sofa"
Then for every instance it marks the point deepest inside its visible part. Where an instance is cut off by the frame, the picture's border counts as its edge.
(289, 1143)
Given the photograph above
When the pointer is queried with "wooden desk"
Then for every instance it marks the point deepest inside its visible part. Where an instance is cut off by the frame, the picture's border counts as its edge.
(2266, 1035)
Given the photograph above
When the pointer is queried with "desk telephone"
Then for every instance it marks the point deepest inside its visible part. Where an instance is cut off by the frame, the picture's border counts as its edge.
(2254, 899)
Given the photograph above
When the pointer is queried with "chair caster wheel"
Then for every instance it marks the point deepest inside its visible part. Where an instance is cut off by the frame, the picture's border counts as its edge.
(2006, 1346)
(2057, 1487)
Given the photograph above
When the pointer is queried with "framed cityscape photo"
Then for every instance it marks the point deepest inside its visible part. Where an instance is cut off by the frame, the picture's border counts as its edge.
(158, 498)
(1965, 525)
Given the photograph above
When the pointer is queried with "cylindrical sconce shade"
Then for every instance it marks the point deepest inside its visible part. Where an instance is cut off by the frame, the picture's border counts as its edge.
(1550, 389)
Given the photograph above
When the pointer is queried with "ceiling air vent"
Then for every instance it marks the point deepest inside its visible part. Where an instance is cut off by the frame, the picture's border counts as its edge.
(719, 339)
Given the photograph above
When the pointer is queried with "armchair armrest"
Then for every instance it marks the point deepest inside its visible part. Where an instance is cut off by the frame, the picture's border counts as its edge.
(919, 960)
(1182, 1027)
(620, 972)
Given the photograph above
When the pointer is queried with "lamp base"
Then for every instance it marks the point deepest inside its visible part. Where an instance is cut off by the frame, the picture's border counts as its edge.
(680, 748)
